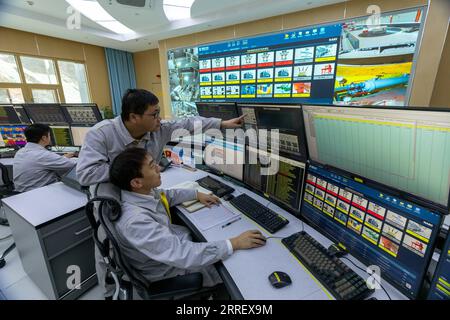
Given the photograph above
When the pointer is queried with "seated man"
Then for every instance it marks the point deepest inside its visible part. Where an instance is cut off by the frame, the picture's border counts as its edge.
(149, 240)
(34, 166)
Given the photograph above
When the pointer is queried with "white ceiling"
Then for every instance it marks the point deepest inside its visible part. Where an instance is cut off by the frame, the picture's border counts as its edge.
(48, 17)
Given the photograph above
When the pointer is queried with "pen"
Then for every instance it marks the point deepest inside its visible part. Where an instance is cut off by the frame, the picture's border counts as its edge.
(232, 221)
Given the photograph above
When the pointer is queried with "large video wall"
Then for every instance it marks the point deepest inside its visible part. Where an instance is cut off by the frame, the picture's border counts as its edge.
(364, 61)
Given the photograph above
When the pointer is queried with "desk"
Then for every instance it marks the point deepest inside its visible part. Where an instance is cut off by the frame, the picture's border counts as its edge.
(245, 272)
(51, 232)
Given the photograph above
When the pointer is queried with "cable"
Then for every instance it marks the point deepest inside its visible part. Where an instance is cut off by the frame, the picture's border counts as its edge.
(368, 273)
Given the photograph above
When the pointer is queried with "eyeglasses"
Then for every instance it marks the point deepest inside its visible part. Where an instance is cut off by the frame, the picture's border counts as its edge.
(155, 114)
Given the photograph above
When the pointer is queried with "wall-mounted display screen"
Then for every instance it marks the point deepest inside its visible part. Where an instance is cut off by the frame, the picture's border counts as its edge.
(183, 81)
(363, 61)
(375, 60)
(294, 66)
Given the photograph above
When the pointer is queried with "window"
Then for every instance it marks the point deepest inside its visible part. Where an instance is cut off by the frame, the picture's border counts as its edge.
(74, 82)
(45, 96)
(40, 71)
(11, 95)
(42, 80)
(8, 69)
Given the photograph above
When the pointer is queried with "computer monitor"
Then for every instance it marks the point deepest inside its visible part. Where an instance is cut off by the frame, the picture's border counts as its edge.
(440, 285)
(78, 135)
(50, 114)
(275, 176)
(8, 115)
(287, 119)
(61, 136)
(375, 224)
(82, 114)
(225, 157)
(224, 111)
(22, 114)
(13, 136)
(407, 149)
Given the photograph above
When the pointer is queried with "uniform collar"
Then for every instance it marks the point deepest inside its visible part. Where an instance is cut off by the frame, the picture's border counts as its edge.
(124, 134)
(149, 201)
(35, 146)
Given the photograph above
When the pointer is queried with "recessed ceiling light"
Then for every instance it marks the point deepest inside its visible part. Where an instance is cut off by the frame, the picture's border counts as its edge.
(92, 10)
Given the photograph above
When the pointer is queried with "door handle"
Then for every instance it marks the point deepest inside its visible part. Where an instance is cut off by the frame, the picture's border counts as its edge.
(82, 231)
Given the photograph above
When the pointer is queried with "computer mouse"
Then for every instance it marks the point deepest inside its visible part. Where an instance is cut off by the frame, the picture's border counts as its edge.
(279, 279)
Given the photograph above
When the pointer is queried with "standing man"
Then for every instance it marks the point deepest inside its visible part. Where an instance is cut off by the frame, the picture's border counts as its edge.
(34, 166)
(139, 125)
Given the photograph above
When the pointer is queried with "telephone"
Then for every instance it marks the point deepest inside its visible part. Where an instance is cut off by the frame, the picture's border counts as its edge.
(164, 163)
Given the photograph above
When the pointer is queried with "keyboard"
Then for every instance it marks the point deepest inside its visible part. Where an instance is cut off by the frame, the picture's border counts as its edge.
(259, 213)
(218, 188)
(340, 280)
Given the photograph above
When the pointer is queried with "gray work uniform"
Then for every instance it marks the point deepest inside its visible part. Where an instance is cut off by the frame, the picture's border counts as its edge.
(159, 249)
(34, 166)
(108, 138)
(105, 141)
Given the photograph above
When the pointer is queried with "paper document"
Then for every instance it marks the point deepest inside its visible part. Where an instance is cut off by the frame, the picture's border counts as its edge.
(208, 218)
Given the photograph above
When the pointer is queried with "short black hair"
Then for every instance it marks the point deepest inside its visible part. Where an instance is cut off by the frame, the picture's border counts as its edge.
(36, 131)
(137, 101)
(127, 166)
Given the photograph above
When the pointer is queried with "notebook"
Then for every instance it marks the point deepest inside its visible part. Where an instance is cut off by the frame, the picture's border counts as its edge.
(193, 205)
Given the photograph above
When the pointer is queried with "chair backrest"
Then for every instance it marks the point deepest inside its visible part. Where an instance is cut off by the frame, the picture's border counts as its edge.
(7, 182)
(109, 211)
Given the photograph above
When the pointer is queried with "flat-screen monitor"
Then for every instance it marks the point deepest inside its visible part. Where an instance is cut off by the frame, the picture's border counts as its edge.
(82, 114)
(50, 114)
(224, 111)
(287, 119)
(225, 157)
(374, 223)
(13, 136)
(407, 149)
(288, 67)
(78, 135)
(22, 114)
(440, 285)
(278, 177)
(8, 115)
(61, 136)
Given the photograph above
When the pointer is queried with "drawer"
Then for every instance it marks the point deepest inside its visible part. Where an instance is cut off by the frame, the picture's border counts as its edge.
(82, 256)
(58, 224)
(63, 238)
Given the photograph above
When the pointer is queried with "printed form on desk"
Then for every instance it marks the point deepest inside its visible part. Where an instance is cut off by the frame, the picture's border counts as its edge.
(207, 218)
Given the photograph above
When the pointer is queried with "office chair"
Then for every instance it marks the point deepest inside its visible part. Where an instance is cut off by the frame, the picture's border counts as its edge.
(6, 189)
(125, 276)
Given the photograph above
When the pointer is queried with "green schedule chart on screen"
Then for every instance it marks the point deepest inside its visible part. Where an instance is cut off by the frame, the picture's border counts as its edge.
(404, 149)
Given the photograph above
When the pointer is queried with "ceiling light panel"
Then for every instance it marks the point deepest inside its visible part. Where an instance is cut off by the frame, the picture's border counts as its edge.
(92, 10)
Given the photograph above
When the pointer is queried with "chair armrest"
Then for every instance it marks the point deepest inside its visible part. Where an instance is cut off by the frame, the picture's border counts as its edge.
(176, 286)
